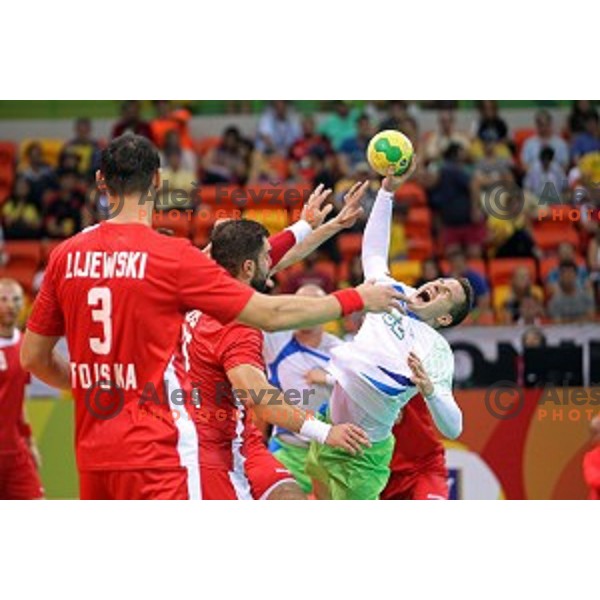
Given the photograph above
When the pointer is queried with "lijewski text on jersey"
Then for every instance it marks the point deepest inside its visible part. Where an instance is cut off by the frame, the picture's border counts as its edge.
(106, 265)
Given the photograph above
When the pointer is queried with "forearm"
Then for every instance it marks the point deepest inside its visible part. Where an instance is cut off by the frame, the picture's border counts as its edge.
(308, 245)
(376, 239)
(283, 243)
(52, 370)
(446, 414)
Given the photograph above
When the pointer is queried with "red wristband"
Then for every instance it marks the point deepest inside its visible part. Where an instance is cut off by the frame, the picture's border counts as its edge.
(350, 301)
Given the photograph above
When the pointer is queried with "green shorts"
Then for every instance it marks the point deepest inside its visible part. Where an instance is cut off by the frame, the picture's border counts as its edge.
(348, 477)
(293, 458)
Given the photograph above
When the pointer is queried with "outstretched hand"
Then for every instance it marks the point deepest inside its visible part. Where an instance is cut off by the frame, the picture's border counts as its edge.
(352, 209)
(391, 183)
(313, 212)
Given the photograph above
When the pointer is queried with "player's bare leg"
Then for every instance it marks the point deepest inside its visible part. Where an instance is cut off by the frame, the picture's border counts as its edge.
(287, 490)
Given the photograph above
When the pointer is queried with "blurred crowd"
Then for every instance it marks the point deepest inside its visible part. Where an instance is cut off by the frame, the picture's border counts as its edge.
(513, 210)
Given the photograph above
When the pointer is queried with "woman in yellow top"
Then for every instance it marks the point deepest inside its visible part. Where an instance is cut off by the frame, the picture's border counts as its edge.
(21, 217)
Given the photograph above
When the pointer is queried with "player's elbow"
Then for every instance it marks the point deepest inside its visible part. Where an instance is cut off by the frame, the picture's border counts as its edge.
(30, 358)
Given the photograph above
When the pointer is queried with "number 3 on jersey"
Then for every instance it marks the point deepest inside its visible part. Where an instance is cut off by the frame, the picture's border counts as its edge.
(101, 301)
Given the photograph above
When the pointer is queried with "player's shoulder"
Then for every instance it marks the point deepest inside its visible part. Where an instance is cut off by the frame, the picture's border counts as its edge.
(330, 341)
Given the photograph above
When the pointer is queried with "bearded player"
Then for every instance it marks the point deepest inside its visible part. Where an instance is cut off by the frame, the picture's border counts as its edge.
(392, 358)
(118, 292)
(19, 479)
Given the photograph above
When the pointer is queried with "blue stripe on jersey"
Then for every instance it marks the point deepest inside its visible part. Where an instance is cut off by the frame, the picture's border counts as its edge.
(398, 287)
(401, 379)
(290, 348)
(384, 387)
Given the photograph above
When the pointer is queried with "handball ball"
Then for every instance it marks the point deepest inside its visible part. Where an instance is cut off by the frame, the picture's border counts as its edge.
(390, 149)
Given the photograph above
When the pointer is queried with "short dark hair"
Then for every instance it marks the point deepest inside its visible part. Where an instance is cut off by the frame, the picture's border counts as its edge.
(234, 242)
(129, 163)
(568, 265)
(460, 311)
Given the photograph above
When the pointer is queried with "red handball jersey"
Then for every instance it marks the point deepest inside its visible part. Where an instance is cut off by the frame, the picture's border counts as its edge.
(591, 472)
(417, 439)
(213, 350)
(13, 379)
(119, 293)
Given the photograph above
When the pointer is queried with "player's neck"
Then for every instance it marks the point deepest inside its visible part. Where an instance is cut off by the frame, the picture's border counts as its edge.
(129, 209)
(312, 339)
(7, 331)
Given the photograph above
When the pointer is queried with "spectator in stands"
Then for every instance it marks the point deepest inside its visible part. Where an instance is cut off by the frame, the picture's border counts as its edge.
(321, 168)
(278, 129)
(458, 267)
(489, 119)
(311, 274)
(546, 178)
(340, 125)
(430, 271)
(21, 216)
(570, 302)
(545, 137)
(439, 141)
(85, 147)
(589, 140)
(593, 260)
(521, 286)
(131, 120)
(410, 128)
(63, 209)
(169, 119)
(310, 140)
(352, 150)
(567, 253)
(38, 173)
(533, 338)
(451, 198)
(580, 111)
(531, 311)
(397, 112)
(188, 157)
(226, 162)
(591, 461)
(509, 229)
(491, 170)
(177, 183)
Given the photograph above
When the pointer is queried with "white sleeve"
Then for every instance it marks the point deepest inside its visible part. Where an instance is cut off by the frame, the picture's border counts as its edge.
(439, 365)
(376, 239)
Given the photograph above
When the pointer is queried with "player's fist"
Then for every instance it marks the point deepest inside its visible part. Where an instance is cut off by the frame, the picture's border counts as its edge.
(348, 437)
(381, 298)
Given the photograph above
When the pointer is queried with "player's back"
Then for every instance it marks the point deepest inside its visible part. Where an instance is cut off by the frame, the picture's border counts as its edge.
(214, 349)
(119, 293)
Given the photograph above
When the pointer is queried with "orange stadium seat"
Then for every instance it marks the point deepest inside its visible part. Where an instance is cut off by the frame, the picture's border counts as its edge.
(24, 253)
(21, 272)
(411, 193)
(418, 222)
(47, 246)
(275, 220)
(328, 268)
(501, 269)
(556, 218)
(549, 239)
(204, 145)
(407, 271)
(349, 245)
(475, 264)
(8, 153)
(520, 136)
(420, 248)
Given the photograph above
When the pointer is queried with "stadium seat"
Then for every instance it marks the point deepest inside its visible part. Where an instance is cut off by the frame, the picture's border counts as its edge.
(21, 272)
(27, 253)
(501, 269)
(420, 248)
(556, 217)
(8, 153)
(418, 222)
(407, 271)
(520, 136)
(548, 240)
(328, 268)
(475, 264)
(411, 193)
(179, 222)
(349, 245)
(275, 220)
(47, 246)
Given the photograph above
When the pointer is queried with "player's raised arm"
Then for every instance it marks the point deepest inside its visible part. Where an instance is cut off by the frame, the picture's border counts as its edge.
(252, 388)
(376, 239)
(344, 219)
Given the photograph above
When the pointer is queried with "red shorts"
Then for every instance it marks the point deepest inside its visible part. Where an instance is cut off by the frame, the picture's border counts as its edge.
(428, 483)
(464, 235)
(255, 476)
(144, 484)
(19, 479)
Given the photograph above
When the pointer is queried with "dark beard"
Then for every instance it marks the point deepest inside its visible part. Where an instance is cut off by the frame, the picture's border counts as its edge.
(259, 283)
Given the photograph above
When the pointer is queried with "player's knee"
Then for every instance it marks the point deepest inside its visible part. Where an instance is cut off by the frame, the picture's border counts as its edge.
(288, 490)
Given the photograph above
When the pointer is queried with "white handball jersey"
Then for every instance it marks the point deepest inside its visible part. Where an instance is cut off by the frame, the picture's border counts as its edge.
(287, 363)
(373, 368)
